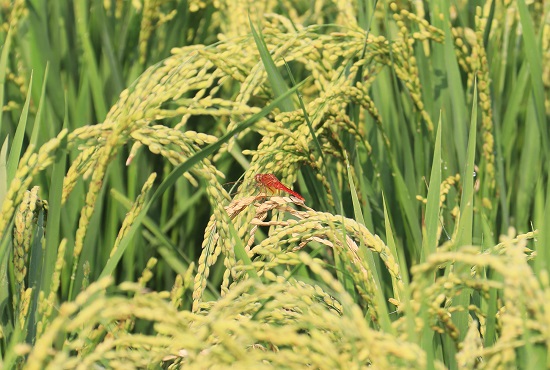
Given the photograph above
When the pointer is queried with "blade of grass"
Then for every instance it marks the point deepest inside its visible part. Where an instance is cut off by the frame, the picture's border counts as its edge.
(3, 170)
(407, 204)
(117, 84)
(365, 189)
(3, 69)
(431, 218)
(466, 221)
(516, 103)
(489, 24)
(239, 249)
(465, 224)
(535, 353)
(53, 228)
(534, 57)
(365, 7)
(340, 262)
(530, 165)
(404, 295)
(490, 305)
(275, 78)
(5, 248)
(543, 241)
(400, 150)
(38, 119)
(456, 91)
(368, 258)
(502, 186)
(17, 144)
(10, 359)
(38, 51)
(175, 219)
(80, 12)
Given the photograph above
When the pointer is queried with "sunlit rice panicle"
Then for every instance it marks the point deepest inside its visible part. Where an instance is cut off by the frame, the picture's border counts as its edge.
(82, 163)
(209, 255)
(226, 324)
(215, 242)
(86, 212)
(484, 93)
(472, 346)
(177, 291)
(134, 211)
(314, 226)
(31, 163)
(47, 305)
(520, 288)
(147, 273)
(24, 305)
(297, 318)
(23, 234)
(407, 69)
(445, 187)
(182, 284)
(152, 17)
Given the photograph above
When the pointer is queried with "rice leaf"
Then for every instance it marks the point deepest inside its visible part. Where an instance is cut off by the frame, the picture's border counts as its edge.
(3, 69)
(17, 144)
(37, 127)
(368, 258)
(533, 56)
(82, 24)
(3, 169)
(53, 228)
(456, 92)
(466, 221)
(275, 78)
(431, 218)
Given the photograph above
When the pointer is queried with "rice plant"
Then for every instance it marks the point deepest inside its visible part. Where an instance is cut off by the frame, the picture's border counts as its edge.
(417, 134)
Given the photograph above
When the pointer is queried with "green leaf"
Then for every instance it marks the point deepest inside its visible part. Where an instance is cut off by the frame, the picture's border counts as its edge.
(368, 258)
(5, 247)
(456, 91)
(3, 170)
(465, 224)
(38, 119)
(92, 69)
(17, 144)
(3, 69)
(534, 57)
(432, 207)
(531, 165)
(466, 221)
(53, 228)
(409, 211)
(275, 78)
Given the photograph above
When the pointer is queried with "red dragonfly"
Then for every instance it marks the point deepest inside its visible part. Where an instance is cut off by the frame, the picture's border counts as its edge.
(272, 183)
